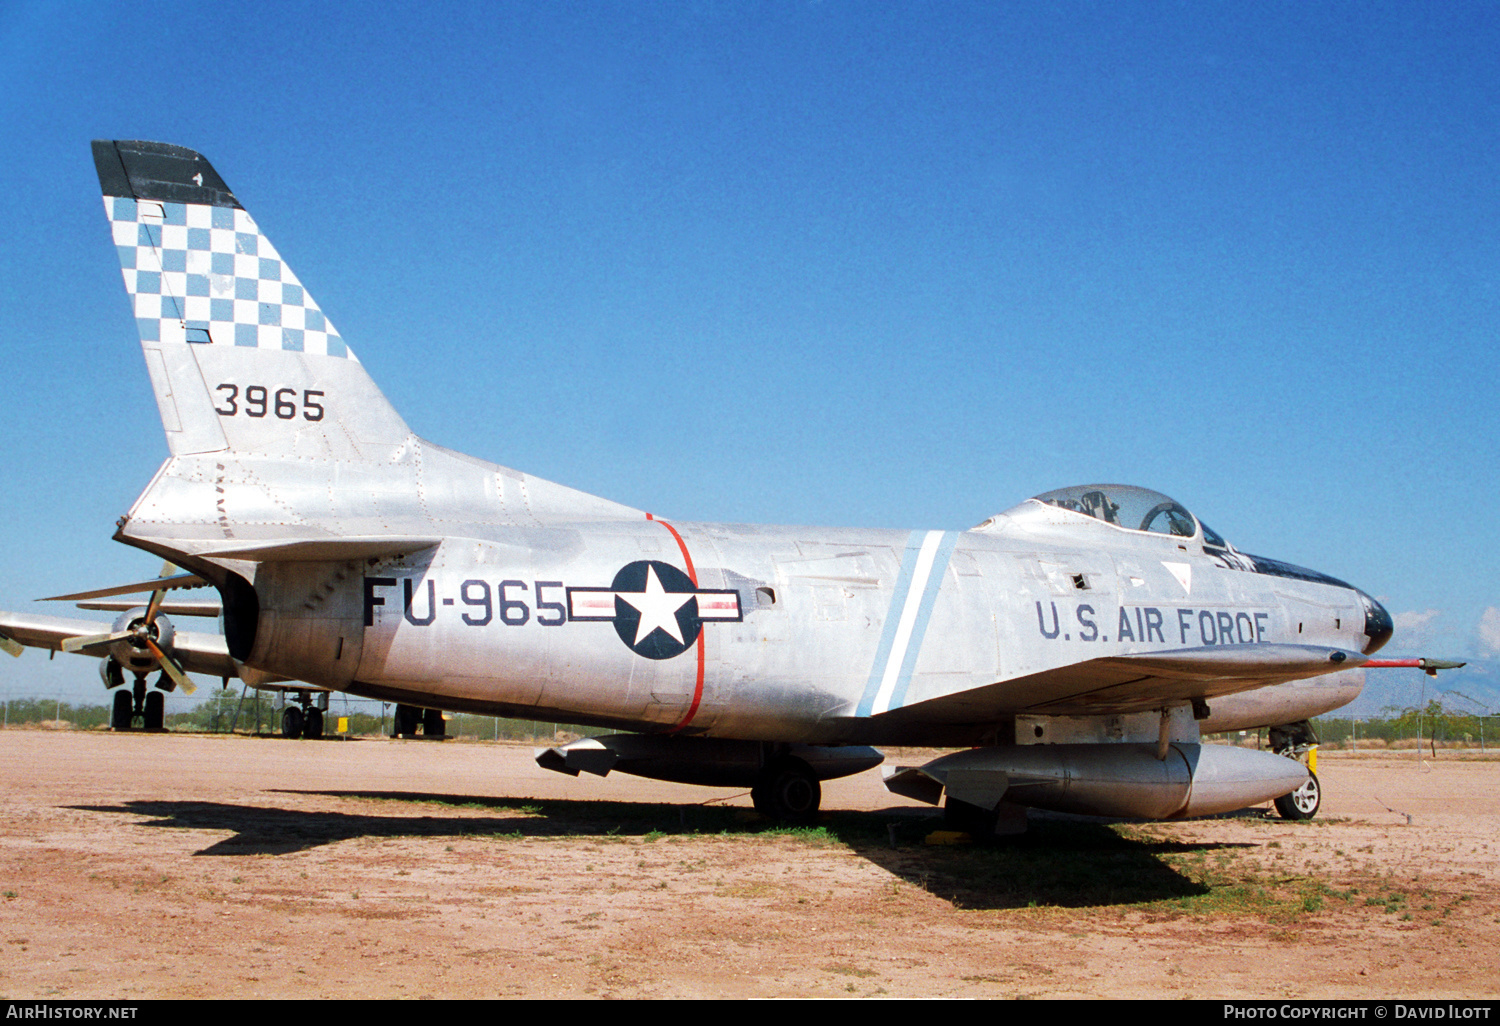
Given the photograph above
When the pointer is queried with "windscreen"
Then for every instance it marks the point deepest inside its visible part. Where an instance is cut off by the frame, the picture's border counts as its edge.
(1136, 509)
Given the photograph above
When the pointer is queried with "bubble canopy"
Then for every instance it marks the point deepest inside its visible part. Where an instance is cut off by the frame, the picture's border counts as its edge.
(1135, 509)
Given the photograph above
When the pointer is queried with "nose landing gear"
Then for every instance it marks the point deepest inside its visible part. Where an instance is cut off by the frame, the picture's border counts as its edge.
(136, 707)
(1298, 741)
(1302, 803)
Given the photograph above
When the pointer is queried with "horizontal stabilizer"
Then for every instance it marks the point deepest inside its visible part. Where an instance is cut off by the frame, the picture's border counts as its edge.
(321, 550)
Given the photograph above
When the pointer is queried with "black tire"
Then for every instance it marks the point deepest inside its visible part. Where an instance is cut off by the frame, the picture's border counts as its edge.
(433, 724)
(787, 792)
(312, 727)
(1302, 803)
(404, 723)
(155, 712)
(291, 722)
(119, 717)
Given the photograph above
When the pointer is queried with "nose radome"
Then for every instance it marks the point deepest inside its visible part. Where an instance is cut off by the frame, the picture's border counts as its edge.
(1378, 624)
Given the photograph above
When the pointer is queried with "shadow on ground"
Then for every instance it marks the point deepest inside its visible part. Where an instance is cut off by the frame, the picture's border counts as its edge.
(1060, 861)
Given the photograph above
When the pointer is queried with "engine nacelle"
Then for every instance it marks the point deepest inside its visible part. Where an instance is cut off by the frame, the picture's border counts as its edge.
(131, 654)
(1124, 780)
(710, 762)
(111, 672)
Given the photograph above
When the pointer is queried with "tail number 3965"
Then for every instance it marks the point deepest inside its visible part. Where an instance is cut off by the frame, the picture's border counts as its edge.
(258, 401)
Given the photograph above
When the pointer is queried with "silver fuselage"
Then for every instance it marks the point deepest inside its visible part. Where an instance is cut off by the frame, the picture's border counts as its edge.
(824, 634)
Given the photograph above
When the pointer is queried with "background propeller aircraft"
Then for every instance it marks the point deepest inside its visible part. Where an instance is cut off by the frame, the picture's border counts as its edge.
(1077, 644)
(143, 640)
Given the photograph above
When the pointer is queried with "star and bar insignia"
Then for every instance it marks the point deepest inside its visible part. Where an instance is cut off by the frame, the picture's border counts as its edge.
(657, 610)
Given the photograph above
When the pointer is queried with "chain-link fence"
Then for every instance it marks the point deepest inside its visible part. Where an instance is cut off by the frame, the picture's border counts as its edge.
(255, 712)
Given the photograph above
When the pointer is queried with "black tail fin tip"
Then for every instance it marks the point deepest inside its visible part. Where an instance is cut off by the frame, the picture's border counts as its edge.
(159, 171)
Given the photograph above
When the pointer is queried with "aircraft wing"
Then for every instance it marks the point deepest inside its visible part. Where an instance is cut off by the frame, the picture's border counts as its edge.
(207, 607)
(198, 652)
(1134, 683)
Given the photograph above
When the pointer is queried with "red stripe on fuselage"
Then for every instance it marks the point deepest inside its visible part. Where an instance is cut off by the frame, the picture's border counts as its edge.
(702, 658)
(686, 556)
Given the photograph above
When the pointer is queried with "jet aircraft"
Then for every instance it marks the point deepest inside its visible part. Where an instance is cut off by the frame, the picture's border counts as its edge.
(1076, 646)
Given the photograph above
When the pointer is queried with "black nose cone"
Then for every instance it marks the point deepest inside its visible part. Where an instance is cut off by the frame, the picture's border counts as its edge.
(1378, 624)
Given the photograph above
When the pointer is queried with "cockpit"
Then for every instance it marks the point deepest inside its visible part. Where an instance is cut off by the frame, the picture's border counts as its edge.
(1127, 507)
(1137, 509)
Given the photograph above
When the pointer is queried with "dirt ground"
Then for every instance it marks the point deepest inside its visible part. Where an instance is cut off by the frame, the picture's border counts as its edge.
(176, 866)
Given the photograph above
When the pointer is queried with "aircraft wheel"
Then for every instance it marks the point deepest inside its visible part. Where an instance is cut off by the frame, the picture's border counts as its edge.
(119, 718)
(313, 728)
(787, 792)
(1302, 803)
(155, 712)
(432, 723)
(405, 721)
(291, 722)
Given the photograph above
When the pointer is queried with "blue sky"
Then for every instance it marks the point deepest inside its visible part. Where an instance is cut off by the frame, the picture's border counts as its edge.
(897, 265)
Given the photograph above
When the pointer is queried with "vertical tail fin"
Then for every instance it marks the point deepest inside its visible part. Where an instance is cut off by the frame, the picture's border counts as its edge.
(240, 356)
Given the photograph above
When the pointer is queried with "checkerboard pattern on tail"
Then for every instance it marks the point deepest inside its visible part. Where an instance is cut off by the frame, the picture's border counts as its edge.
(205, 274)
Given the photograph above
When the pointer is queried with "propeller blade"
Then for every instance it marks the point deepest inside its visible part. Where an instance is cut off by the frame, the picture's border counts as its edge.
(83, 641)
(174, 671)
(154, 606)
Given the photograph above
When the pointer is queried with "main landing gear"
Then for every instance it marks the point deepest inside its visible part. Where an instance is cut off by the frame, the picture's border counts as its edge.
(1298, 741)
(787, 791)
(409, 718)
(305, 717)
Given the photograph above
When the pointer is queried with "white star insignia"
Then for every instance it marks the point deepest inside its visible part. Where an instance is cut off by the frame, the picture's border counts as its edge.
(658, 608)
